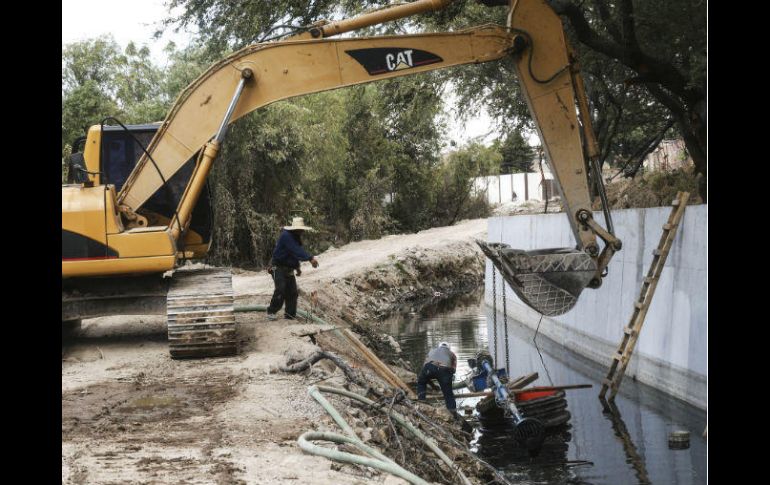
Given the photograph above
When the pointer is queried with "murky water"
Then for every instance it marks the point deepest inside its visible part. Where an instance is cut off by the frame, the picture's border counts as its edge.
(624, 445)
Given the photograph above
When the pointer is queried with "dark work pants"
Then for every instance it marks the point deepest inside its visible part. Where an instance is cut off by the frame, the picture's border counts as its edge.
(285, 291)
(444, 377)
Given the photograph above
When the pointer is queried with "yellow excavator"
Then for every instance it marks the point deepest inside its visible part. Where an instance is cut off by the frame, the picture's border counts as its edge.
(137, 200)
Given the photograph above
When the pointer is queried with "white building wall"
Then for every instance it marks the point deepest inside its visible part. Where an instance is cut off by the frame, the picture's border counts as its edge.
(671, 353)
(509, 187)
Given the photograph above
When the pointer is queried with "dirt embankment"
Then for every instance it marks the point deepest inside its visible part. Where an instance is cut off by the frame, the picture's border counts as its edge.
(366, 281)
(130, 414)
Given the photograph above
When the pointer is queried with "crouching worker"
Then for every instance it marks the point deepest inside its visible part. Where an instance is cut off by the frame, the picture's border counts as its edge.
(287, 255)
(441, 365)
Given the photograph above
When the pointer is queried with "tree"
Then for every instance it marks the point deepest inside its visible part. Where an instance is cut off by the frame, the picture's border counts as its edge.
(664, 44)
(100, 79)
(516, 153)
(455, 199)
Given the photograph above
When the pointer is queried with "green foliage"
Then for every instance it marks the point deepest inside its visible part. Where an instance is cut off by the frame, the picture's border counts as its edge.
(333, 157)
(516, 153)
(83, 106)
(99, 80)
(370, 220)
(454, 182)
(225, 24)
(644, 62)
(653, 189)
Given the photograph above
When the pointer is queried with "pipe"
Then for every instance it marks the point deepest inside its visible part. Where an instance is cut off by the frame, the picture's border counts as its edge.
(406, 424)
(316, 394)
(377, 17)
(336, 455)
(380, 461)
(501, 394)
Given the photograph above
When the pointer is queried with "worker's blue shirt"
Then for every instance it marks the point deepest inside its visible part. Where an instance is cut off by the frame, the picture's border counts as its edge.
(288, 251)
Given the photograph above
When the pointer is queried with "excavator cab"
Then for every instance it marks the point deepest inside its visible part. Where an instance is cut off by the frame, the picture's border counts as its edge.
(114, 154)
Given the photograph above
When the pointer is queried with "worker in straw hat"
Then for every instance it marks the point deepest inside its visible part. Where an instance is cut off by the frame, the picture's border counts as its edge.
(287, 255)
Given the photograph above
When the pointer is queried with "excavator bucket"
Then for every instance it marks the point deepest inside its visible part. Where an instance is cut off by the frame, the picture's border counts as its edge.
(548, 280)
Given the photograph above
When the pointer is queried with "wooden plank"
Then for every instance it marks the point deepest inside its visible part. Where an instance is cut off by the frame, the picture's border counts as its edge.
(522, 381)
(519, 391)
(379, 365)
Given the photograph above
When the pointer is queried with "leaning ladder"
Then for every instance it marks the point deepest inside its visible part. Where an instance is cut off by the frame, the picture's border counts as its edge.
(623, 355)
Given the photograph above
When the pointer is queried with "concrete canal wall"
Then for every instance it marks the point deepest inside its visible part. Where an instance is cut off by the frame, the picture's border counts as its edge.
(671, 352)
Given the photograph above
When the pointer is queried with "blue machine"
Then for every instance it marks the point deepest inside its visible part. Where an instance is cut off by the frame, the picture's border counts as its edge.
(528, 431)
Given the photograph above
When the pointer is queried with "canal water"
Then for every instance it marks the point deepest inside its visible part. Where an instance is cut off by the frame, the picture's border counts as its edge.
(626, 444)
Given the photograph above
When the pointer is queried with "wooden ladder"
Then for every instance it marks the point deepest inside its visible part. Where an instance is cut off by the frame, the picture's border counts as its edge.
(623, 355)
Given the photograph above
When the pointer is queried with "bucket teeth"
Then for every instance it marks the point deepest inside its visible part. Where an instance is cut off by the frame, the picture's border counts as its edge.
(548, 280)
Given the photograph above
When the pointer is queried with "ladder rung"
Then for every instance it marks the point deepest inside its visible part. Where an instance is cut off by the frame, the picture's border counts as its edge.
(656, 252)
(618, 356)
(668, 227)
(629, 331)
(639, 304)
(648, 280)
(675, 202)
(606, 382)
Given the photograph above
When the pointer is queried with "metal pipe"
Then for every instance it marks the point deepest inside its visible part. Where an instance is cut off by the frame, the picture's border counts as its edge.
(385, 15)
(246, 74)
(194, 188)
(603, 196)
(501, 394)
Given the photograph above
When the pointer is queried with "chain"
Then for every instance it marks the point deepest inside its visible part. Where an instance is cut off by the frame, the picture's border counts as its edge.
(494, 309)
(505, 322)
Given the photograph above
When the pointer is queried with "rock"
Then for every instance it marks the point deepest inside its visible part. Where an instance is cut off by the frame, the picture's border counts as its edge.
(365, 434)
(392, 342)
(381, 436)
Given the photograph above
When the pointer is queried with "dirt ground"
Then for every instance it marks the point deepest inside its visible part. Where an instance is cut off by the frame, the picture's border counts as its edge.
(131, 414)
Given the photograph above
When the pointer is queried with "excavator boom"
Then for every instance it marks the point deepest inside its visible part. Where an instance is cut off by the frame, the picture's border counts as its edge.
(292, 68)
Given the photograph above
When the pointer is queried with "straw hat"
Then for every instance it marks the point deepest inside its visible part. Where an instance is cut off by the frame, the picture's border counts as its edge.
(298, 224)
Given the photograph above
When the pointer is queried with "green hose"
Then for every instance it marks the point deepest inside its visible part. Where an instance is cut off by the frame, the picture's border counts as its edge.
(382, 462)
(263, 308)
(379, 461)
(336, 455)
(403, 422)
(316, 394)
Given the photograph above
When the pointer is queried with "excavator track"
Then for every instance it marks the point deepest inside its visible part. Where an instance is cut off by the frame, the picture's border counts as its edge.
(201, 321)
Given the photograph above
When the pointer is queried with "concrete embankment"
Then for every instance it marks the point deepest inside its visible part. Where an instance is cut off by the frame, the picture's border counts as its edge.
(671, 352)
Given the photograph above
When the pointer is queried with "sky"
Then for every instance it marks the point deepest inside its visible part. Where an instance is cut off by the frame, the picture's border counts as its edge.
(137, 20)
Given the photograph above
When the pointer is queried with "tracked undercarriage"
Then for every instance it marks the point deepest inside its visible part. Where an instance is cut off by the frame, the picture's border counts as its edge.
(197, 302)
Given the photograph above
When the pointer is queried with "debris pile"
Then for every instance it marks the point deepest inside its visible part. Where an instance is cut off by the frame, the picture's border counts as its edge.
(419, 438)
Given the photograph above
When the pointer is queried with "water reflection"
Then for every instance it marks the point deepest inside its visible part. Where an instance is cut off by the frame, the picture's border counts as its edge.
(627, 444)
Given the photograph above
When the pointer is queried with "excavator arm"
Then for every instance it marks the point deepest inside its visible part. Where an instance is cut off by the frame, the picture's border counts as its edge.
(282, 70)
(261, 74)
